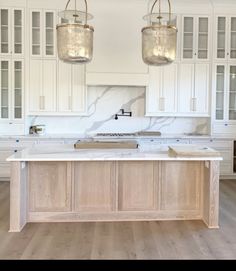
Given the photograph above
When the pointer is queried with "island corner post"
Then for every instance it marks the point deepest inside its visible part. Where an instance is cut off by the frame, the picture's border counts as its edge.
(76, 191)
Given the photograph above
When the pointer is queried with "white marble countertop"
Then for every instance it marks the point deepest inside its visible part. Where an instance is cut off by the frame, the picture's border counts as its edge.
(67, 152)
(82, 136)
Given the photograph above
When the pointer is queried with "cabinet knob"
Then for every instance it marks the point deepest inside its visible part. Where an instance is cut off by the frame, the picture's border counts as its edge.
(17, 140)
(226, 124)
(15, 150)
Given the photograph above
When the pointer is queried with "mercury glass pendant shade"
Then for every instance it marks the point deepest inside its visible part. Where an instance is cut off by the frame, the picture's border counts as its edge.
(159, 39)
(75, 39)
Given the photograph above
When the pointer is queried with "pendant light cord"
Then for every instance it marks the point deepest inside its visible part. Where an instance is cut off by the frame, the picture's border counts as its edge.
(160, 8)
(86, 9)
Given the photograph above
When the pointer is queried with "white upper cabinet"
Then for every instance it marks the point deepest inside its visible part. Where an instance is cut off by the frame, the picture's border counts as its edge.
(71, 89)
(12, 31)
(219, 87)
(225, 92)
(195, 37)
(225, 38)
(42, 87)
(117, 58)
(193, 95)
(179, 90)
(43, 33)
(161, 95)
(11, 89)
(55, 88)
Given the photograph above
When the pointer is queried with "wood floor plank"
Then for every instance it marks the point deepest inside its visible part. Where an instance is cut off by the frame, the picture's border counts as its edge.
(38, 247)
(144, 243)
(72, 241)
(102, 242)
(122, 240)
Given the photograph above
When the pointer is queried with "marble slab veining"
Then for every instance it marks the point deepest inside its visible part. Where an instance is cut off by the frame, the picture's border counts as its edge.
(68, 153)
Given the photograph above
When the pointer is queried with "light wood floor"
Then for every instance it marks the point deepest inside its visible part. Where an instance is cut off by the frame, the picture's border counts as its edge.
(122, 240)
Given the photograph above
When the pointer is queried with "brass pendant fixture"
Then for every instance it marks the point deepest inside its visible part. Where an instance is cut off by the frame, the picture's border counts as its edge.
(75, 38)
(159, 38)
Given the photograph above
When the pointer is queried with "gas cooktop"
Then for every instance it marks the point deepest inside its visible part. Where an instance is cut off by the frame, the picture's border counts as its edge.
(141, 133)
(116, 134)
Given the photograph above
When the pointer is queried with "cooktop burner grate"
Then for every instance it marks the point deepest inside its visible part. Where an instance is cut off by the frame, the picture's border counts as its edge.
(116, 134)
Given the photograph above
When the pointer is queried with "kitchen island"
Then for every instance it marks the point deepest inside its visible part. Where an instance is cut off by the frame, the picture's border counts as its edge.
(63, 184)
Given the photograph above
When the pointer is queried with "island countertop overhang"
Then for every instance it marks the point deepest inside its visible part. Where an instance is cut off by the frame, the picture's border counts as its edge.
(68, 153)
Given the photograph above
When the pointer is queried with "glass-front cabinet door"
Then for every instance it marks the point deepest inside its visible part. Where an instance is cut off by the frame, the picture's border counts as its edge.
(50, 27)
(226, 38)
(188, 38)
(17, 89)
(12, 31)
(221, 38)
(232, 92)
(5, 31)
(203, 38)
(5, 89)
(36, 37)
(11, 89)
(43, 26)
(195, 41)
(220, 92)
(18, 36)
(233, 38)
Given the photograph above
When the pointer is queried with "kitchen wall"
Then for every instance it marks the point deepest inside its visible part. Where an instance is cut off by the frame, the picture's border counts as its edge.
(105, 102)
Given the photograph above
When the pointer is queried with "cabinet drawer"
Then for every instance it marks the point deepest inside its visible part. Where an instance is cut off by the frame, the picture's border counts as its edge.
(152, 141)
(13, 144)
(5, 170)
(226, 155)
(178, 141)
(4, 155)
(213, 143)
(152, 144)
(224, 128)
(225, 168)
(70, 141)
(52, 142)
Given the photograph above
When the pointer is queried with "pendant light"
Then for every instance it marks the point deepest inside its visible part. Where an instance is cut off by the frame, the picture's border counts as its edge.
(75, 38)
(159, 38)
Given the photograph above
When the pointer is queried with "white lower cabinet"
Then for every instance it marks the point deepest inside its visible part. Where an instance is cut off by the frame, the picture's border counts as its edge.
(5, 171)
(225, 147)
(177, 141)
(50, 141)
(7, 148)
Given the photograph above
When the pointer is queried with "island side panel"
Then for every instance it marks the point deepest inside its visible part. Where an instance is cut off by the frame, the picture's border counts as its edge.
(18, 196)
(211, 194)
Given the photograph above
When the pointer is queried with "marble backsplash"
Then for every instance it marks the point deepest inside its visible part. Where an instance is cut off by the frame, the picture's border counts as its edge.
(105, 102)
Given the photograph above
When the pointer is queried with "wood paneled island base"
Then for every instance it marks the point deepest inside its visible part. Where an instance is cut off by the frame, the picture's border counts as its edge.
(114, 190)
